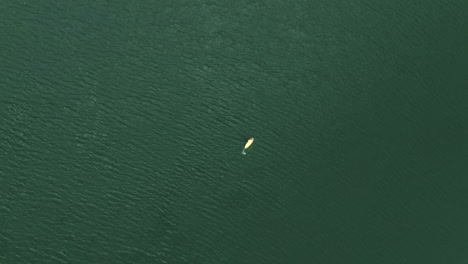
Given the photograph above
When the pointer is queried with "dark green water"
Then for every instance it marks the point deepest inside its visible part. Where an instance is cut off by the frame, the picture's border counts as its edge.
(122, 125)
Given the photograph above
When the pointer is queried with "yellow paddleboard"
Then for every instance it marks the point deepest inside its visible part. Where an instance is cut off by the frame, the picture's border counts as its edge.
(248, 144)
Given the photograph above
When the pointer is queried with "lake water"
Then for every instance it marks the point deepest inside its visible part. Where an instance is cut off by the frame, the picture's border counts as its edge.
(122, 126)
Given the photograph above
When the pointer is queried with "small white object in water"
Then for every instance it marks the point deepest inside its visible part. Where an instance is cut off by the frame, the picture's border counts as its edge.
(248, 144)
